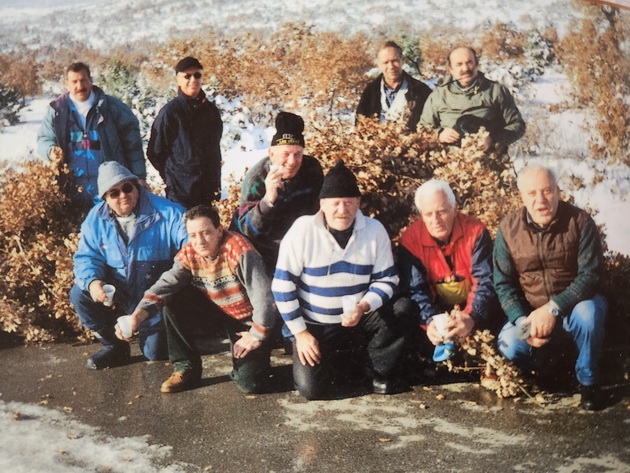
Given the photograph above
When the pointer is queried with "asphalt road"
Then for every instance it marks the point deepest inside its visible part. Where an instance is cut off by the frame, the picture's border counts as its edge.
(442, 425)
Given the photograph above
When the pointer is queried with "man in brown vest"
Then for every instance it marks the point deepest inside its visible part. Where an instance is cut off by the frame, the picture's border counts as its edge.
(548, 263)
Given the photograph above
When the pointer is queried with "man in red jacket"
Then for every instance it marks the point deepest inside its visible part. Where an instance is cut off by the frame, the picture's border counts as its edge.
(445, 261)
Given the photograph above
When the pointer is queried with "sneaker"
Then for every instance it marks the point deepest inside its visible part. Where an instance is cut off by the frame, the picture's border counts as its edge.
(590, 397)
(110, 356)
(180, 381)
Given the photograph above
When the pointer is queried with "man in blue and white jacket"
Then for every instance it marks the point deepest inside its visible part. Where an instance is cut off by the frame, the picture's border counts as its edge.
(323, 257)
(84, 128)
(127, 241)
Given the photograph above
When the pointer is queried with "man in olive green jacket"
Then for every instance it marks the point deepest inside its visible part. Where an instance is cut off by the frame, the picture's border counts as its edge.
(467, 101)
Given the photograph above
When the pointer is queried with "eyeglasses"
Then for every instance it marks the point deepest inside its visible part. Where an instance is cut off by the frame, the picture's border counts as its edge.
(127, 188)
(196, 75)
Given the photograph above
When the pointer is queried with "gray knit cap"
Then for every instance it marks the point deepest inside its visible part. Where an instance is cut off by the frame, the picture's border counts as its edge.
(112, 173)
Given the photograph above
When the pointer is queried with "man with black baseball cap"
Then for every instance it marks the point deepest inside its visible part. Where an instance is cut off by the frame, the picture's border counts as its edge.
(279, 189)
(185, 140)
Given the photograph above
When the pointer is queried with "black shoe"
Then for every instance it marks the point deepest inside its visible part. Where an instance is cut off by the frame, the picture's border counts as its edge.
(386, 386)
(591, 397)
(109, 356)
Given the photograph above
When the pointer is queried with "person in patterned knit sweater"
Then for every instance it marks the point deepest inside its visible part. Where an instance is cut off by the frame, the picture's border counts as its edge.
(220, 276)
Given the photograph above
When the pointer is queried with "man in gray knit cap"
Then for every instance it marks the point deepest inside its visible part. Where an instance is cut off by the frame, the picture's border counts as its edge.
(127, 241)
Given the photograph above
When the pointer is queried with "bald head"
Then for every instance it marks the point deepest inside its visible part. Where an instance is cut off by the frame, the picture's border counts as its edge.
(540, 193)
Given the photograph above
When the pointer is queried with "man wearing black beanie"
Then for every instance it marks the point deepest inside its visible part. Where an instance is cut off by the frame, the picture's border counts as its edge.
(333, 285)
(279, 189)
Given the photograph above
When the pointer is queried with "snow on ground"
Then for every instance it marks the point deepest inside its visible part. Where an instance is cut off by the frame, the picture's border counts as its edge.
(35, 439)
(128, 20)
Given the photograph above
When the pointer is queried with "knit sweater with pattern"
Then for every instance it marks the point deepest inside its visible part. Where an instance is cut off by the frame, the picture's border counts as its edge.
(234, 280)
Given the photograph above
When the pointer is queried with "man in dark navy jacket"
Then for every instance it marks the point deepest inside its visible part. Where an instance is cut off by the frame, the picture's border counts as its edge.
(185, 141)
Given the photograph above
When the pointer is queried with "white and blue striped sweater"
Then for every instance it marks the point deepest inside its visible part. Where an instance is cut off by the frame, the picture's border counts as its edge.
(313, 272)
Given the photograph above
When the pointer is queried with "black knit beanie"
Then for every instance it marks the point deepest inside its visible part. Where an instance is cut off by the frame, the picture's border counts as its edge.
(339, 182)
(289, 129)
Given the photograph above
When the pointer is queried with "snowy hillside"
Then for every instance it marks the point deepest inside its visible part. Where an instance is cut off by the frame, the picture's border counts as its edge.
(104, 24)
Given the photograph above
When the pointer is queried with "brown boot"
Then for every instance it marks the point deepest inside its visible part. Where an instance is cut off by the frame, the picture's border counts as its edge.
(180, 381)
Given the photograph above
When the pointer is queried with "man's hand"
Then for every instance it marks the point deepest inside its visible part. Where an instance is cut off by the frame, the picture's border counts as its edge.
(96, 291)
(487, 143)
(459, 325)
(537, 342)
(245, 344)
(359, 311)
(137, 317)
(56, 155)
(542, 322)
(308, 348)
(273, 182)
(448, 135)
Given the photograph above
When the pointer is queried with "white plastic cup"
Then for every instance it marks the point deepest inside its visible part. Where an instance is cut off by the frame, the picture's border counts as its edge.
(109, 292)
(276, 168)
(348, 303)
(441, 320)
(124, 322)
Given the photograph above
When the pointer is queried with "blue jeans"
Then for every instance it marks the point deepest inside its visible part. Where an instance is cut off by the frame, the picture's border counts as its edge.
(585, 325)
(101, 319)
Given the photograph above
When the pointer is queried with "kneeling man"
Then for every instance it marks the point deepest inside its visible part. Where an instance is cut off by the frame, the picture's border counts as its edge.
(222, 277)
(323, 257)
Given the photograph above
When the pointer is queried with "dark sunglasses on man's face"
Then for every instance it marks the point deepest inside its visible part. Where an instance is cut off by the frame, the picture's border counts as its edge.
(196, 75)
(127, 188)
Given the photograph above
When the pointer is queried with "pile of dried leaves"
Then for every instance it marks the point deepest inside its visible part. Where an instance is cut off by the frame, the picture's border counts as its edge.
(38, 236)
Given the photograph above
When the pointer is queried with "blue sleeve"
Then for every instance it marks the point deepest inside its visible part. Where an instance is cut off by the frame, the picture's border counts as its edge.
(414, 284)
(46, 137)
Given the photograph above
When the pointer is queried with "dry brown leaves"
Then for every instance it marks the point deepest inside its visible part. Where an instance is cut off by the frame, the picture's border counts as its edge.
(38, 236)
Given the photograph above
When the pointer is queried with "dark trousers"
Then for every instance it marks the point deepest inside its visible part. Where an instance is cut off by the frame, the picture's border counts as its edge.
(182, 318)
(381, 334)
(101, 319)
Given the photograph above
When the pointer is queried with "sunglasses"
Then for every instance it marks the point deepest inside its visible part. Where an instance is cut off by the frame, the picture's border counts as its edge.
(196, 75)
(127, 188)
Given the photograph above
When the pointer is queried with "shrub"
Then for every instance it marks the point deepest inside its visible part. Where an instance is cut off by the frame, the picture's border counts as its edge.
(594, 58)
(38, 236)
(10, 104)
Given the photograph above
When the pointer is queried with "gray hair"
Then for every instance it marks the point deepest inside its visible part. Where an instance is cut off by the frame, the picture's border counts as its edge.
(432, 187)
(535, 167)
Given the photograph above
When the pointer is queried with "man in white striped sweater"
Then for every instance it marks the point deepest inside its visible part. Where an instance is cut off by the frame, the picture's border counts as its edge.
(323, 257)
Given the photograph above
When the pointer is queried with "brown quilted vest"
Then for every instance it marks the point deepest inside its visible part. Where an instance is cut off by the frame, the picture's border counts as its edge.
(546, 261)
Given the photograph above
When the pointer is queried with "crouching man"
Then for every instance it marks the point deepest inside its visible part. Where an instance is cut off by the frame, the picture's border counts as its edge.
(127, 241)
(323, 257)
(218, 276)
(547, 266)
(445, 260)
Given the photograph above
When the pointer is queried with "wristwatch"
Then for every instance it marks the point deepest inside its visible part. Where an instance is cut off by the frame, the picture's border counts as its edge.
(553, 310)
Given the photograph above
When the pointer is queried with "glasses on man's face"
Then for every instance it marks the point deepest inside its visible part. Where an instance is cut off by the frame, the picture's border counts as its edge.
(127, 188)
(196, 75)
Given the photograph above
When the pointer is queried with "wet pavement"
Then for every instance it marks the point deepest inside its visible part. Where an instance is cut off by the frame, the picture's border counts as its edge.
(454, 427)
